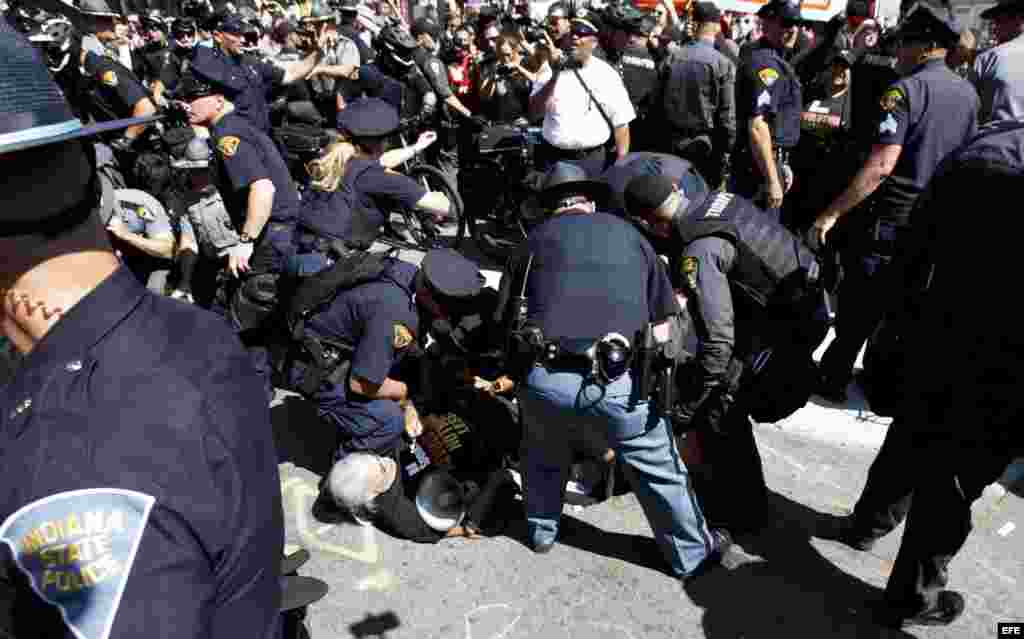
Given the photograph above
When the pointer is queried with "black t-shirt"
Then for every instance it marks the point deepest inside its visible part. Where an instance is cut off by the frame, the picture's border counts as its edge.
(511, 98)
(397, 514)
(823, 128)
(594, 274)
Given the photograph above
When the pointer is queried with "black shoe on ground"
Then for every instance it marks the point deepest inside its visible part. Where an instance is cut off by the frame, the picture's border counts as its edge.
(948, 608)
(542, 548)
(290, 564)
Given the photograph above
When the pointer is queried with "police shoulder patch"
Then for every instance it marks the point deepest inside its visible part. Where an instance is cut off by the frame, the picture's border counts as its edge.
(689, 266)
(435, 67)
(109, 78)
(228, 145)
(77, 548)
(768, 76)
(403, 336)
(893, 99)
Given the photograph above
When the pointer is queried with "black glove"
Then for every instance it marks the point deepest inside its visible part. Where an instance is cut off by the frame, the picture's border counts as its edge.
(811, 240)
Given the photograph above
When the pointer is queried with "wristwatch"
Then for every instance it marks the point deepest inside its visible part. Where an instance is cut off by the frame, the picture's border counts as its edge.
(244, 238)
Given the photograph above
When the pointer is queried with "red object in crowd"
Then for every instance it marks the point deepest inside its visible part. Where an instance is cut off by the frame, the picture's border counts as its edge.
(460, 78)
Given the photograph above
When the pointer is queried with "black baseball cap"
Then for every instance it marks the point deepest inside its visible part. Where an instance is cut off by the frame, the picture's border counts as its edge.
(647, 192)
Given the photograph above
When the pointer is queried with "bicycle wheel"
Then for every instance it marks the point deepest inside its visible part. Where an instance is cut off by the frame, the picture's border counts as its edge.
(434, 179)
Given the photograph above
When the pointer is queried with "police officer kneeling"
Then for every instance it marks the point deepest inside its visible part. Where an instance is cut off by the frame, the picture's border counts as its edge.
(754, 293)
(592, 283)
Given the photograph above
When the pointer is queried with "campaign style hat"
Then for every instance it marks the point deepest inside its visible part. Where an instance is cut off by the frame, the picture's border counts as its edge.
(782, 9)
(565, 179)
(33, 111)
(448, 273)
(706, 12)
(1003, 7)
(583, 27)
(368, 117)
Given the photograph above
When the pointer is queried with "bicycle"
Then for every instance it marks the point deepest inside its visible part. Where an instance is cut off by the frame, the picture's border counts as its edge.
(420, 231)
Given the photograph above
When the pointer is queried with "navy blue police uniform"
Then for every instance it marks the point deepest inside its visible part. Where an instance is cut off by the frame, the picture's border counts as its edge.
(697, 99)
(745, 280)
(590, 275)
(115, 539)
(767, 86)
(115, 90)
(142, 488)
(929, 113)
(249, 81)
(246, 154)
(355, 212)
(977, 384)
(378, 322)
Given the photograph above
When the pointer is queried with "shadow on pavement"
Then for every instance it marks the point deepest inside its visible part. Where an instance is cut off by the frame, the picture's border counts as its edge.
(301, 437)
(639, 550)
(376, 626)
(789, 589)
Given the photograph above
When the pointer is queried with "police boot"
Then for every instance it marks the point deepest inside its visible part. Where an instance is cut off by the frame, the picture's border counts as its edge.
(948, 608)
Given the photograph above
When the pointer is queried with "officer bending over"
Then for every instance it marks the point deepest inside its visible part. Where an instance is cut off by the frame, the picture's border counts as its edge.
(751, 288)
(173, 459)
(142, 236)
(592, 283)
(254, 179)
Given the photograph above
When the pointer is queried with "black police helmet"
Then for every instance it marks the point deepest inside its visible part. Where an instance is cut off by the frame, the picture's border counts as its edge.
(397, 44)
(184, 28)
(786, 10)
(566, 179)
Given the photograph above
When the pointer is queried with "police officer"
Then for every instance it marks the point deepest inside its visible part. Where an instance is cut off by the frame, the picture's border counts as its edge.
(923, 118)
(373, 328)
(996, 73)
(141, 235)
(750, 289)
(394, 76)
(249, 81)
(768, 106)
(335, 67)
(962, 417)
(696, 98)
(353, 191)
(193, 527)
(257, 189)
(640, 76)
(427, 34)
(585, 305)
(172, 61)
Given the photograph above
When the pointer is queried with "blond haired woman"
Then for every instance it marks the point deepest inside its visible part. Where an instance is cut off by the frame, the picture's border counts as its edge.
(353, 184)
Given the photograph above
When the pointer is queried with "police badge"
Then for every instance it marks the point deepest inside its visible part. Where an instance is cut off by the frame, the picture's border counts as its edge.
(892, 99)
(228, 145)
(689, 268)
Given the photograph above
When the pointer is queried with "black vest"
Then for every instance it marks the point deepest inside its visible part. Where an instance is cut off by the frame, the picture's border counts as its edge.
(639, 75)
(772, 264)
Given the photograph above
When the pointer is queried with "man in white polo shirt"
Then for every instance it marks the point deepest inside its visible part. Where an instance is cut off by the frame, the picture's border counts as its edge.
(574, 127)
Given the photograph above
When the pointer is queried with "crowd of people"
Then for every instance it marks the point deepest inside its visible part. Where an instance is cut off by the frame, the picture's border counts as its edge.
(711, 186)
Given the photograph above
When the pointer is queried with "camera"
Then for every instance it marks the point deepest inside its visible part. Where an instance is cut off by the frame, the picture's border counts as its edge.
(504, 71)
